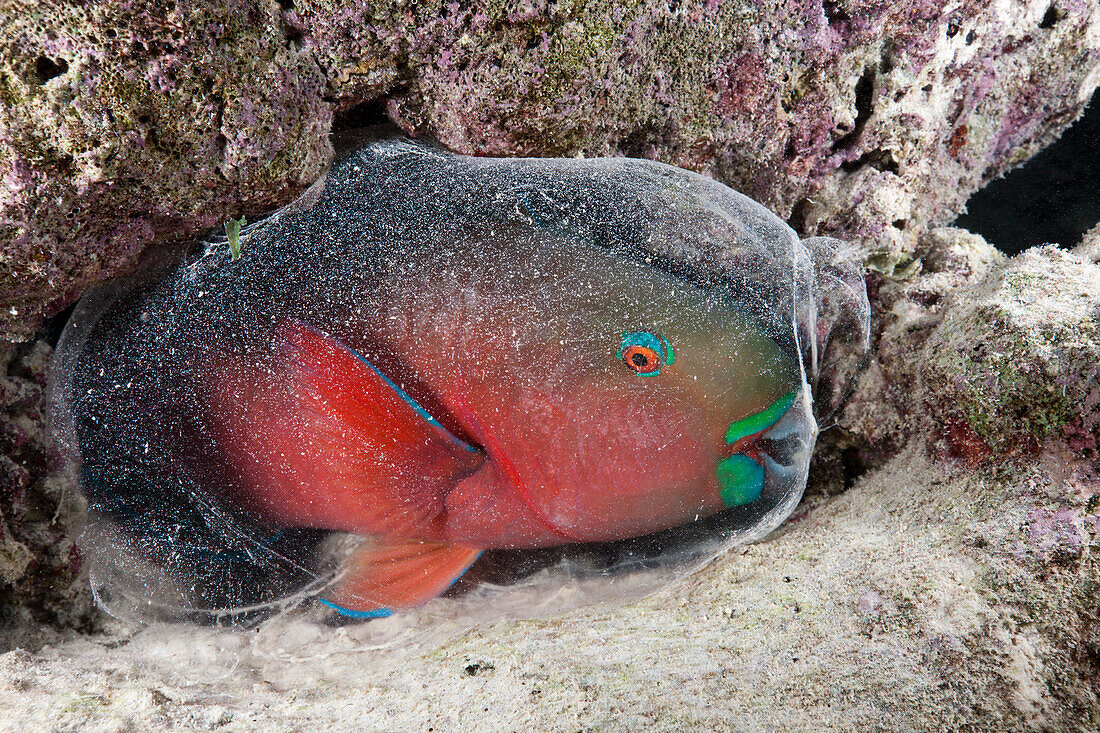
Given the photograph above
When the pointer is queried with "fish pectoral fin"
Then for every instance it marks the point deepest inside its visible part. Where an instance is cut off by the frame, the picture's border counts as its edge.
(321, 438)
(390, 573)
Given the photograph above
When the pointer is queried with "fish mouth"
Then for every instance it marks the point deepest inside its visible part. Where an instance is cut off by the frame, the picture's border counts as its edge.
(762, 444)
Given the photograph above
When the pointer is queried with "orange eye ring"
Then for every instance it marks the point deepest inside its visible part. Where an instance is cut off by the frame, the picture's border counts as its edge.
(645, 352)
(642, 359)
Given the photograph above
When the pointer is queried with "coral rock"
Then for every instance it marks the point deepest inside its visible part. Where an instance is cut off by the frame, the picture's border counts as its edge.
(41, 578)
(1018, 358)
(128, 124)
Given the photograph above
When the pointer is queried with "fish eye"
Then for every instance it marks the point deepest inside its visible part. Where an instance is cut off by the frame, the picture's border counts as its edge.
(645, 352)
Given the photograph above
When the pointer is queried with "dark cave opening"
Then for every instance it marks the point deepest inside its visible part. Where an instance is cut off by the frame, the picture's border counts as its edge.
(1053, 198)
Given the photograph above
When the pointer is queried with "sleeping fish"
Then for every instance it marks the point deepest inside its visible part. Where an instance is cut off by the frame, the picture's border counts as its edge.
(437, 355)
(500, 393)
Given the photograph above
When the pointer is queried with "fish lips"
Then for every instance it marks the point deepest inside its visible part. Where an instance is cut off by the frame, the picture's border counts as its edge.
(769, 454)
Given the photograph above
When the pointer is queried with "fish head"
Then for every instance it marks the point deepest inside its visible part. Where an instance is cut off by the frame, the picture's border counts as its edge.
(617, 398)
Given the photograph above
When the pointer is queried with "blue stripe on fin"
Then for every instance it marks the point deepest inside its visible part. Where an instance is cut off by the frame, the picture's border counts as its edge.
(465, 569)
(411, 402)
(376, 613)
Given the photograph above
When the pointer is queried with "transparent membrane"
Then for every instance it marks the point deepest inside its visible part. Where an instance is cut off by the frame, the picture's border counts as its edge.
(550, 383)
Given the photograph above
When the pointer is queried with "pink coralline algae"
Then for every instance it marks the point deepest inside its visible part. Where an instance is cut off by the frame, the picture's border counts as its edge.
(132, 123)
(1064, 529)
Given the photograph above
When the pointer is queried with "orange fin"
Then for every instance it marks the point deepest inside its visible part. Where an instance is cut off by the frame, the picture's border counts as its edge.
(320, 438)
(386, 574)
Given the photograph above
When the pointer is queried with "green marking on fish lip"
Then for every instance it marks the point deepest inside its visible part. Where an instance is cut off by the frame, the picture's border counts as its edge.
(760, 420)
(741, 480)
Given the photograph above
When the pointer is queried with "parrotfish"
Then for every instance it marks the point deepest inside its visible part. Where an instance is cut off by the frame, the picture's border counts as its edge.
(498, 393)
(438, 355)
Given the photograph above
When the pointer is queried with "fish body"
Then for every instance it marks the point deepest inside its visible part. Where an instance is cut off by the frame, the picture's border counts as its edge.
(517, 422)
(485, 367)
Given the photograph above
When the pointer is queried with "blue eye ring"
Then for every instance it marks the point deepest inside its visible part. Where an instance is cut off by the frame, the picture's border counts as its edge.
(645, 352)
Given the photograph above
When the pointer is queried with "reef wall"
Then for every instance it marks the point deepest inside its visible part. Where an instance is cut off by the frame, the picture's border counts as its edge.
(127, 123)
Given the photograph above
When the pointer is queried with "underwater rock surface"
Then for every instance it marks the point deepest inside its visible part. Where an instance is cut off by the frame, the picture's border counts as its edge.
(928, 597)
(937, 593)
(931, 580)
(859, 119)
(41, 578)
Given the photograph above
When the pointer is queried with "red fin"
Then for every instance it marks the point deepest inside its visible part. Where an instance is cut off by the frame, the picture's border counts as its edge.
(393, 573)
(320, 438)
